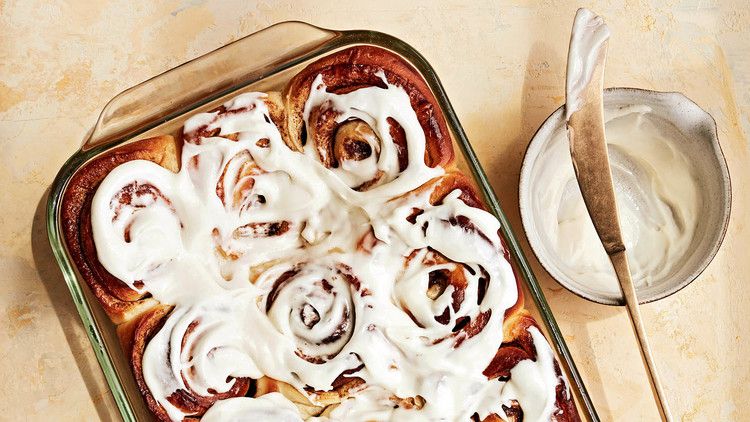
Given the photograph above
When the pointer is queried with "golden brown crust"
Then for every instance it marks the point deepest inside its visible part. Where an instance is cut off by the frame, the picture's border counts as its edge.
(118, 300)
(454, 180)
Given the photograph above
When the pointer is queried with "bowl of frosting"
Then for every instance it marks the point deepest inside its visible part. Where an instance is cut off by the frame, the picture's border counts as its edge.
(672, 188)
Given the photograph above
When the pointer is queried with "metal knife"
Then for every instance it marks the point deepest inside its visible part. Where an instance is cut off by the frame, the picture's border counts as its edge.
(588, 149)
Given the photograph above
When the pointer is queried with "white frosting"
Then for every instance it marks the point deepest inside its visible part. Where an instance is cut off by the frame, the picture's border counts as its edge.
(304, 304)
(588, 40)
(269, 407)
(657, 197)
(529, 382)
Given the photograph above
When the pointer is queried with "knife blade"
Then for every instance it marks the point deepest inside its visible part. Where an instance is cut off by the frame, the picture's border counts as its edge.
(585, 122)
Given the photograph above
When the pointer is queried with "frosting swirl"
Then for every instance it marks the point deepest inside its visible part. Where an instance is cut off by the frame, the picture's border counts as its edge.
(312, 304)
(272, 406)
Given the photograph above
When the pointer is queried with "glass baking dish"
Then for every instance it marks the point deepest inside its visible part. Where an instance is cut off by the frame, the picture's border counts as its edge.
(263, 61)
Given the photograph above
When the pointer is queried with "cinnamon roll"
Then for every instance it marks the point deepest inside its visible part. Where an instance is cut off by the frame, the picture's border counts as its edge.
(172, 354)
(313, 306)
(120, 300)
(367, 115)
(312, 255)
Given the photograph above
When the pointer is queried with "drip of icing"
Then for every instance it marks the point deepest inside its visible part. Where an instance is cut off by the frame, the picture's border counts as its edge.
(317, 305)
(269, 407)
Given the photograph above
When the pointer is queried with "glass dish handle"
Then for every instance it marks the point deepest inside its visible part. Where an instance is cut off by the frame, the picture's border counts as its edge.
(208, 77)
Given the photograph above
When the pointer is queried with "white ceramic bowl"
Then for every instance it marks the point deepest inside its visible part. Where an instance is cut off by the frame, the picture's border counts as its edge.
(699, 143)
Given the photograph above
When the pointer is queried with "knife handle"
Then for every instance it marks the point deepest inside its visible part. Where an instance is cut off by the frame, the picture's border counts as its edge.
(620, 264)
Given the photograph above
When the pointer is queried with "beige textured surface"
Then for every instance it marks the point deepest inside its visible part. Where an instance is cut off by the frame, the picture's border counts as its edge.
(503, 67)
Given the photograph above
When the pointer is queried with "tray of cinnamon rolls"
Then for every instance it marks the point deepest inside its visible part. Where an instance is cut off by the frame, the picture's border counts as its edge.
(313, 241)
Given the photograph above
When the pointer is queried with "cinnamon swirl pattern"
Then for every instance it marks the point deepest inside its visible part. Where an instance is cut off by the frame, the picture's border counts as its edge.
(317, 257)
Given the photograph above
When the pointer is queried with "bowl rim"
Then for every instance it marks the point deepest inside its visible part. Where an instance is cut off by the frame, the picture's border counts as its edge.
(523, 198)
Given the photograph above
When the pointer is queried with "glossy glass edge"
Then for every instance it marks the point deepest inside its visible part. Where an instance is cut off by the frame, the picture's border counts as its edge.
(340, 39)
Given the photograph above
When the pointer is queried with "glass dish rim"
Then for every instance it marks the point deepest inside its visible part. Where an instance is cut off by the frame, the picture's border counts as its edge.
(338, 39)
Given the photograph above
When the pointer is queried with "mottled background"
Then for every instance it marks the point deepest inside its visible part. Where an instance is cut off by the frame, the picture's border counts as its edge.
(502, 64)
